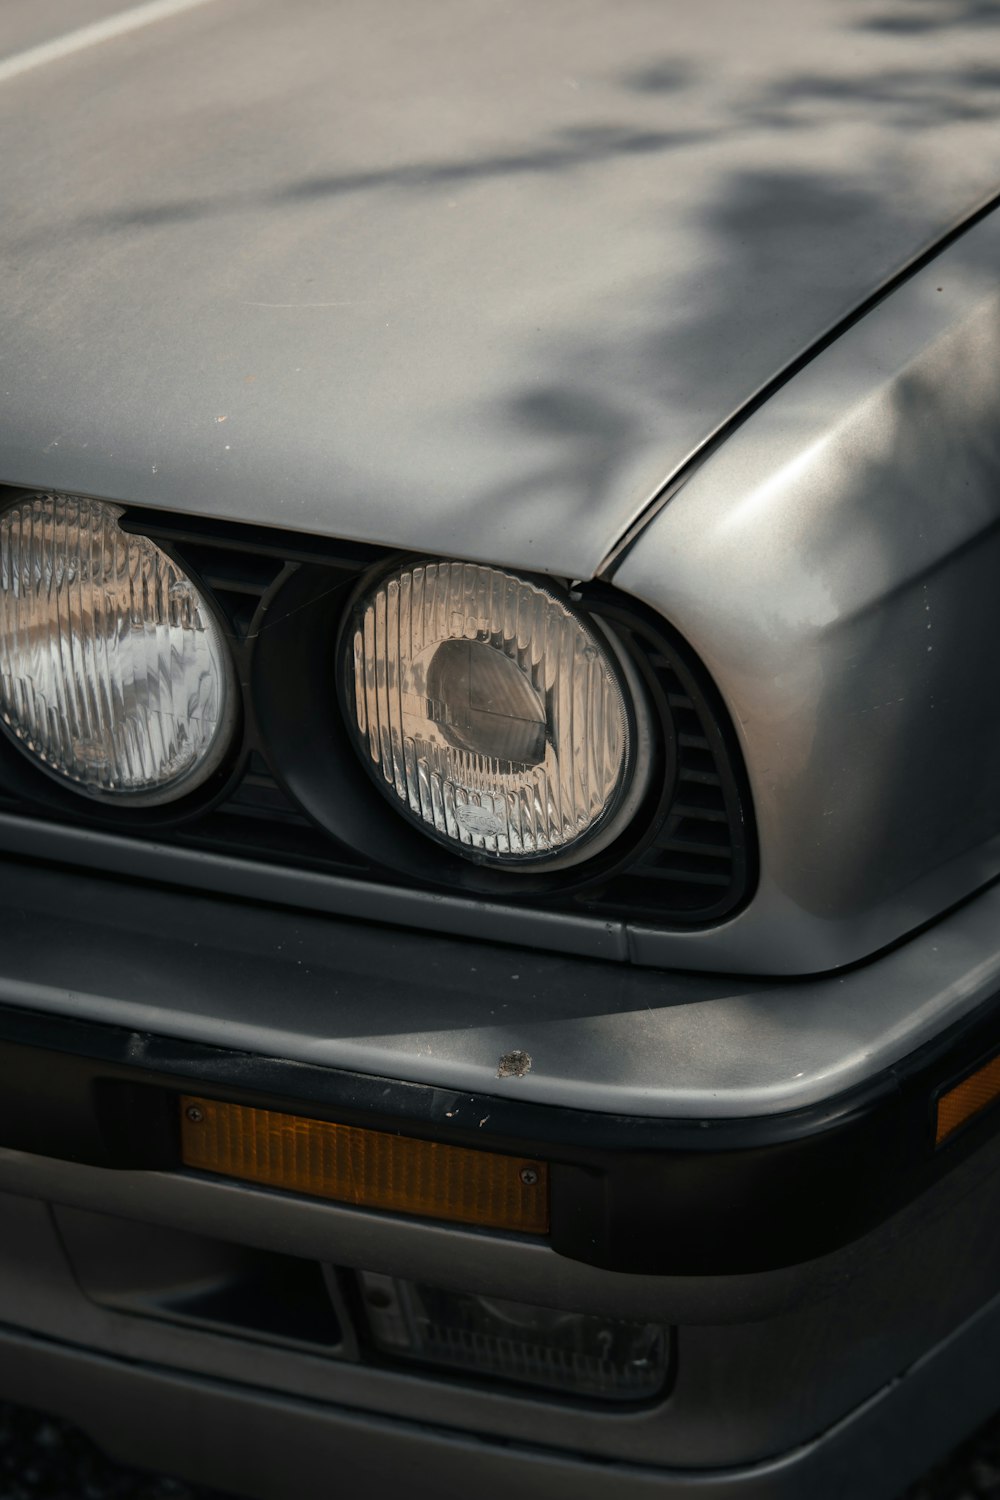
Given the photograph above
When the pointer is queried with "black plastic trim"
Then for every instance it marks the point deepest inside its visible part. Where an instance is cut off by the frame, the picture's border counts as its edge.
(293, 793)
(629, 1194)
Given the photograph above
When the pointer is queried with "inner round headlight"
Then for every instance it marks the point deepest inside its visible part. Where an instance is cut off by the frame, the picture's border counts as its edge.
(493, 713)
(114, 675)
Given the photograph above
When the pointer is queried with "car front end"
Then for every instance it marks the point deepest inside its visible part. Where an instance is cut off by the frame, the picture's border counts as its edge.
(499, 816)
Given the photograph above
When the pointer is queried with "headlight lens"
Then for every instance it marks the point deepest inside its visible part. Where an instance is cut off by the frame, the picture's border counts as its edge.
(114, 675)
(492, 712)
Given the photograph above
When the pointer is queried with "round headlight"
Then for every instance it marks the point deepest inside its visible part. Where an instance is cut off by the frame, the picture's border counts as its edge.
(493, 713)
(114, 675)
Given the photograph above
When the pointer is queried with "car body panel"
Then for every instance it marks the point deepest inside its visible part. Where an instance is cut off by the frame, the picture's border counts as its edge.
(860, 501)
(247, 1436)
(441, 1011)
(507, 281)
(29, 24)
(744, 1412)
(834, 564)
(473, 279)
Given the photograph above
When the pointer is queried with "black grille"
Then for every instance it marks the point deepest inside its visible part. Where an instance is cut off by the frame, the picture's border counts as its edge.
(696, 866)
(260, 821)
(689, 857)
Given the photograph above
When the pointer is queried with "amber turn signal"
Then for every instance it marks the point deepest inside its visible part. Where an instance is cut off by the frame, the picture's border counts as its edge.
(967, 1099)
(368, 1168)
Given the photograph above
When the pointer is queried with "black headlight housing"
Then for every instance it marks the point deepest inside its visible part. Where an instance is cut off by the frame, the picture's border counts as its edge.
(293, 791)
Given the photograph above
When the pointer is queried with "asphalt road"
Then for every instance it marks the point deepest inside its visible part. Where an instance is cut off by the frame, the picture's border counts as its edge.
(971, 1473)
(42, 1458)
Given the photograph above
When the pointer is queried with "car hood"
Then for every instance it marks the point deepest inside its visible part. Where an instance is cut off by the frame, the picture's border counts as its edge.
(469, 276)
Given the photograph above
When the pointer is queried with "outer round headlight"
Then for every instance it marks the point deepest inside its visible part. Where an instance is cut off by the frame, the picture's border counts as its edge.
(493, 714)
(114, 675)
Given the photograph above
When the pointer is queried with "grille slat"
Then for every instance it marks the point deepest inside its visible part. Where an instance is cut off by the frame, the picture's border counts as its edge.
(682, 874)
(721, 851)
(697, 865)
(710, 814)
(700, 778)
(218, 583)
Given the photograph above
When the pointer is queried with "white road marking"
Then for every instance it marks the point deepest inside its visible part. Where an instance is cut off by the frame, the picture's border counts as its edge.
(92, 36)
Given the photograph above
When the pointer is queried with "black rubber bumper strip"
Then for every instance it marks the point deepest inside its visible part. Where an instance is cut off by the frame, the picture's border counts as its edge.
(629, 1193)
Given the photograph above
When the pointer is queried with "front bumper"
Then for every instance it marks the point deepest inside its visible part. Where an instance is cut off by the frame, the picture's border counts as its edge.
(694, 1124)
(270, 1447)
(794, 1224)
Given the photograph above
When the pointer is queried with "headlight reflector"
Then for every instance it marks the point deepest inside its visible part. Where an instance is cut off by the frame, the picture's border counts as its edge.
(492, 712)
(114, 675)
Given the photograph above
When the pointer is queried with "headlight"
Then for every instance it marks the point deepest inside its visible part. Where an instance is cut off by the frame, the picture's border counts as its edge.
(114, 675)
(497, 716)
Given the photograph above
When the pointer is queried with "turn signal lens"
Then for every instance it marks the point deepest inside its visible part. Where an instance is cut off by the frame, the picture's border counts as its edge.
(369, 1168)
(967, 1098)
(492, 713)
(114, 676)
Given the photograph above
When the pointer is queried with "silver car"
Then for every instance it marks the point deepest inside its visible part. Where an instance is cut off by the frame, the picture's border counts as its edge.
(500, 770)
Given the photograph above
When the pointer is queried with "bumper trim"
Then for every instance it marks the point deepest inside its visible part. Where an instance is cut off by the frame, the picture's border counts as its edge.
(630, 1194)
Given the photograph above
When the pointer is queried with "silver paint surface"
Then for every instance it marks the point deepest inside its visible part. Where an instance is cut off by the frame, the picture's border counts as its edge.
(26, 24)
(440, 1010)
(135, 1410)
(835, 563)
(466, 277)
